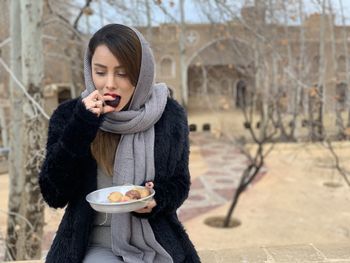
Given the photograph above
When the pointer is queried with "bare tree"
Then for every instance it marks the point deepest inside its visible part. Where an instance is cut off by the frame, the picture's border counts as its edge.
(25, 220)
(283, 88)
(263, 141)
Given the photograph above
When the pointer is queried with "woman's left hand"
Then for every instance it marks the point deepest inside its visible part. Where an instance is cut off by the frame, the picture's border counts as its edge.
(150, 204)
(148, 208)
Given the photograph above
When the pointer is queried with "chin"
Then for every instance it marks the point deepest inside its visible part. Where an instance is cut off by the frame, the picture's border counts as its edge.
(119, 107)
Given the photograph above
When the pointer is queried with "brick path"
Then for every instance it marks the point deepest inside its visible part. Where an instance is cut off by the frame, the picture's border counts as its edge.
(303, 253)
(216, 185)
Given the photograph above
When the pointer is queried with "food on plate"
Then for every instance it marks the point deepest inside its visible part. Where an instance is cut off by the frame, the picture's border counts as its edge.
(143, 192)
(133, 194)
(125, 198)
(115, 197)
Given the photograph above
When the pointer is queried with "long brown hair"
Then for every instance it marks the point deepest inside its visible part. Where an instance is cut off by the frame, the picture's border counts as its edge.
(103, 149)
(124, 44)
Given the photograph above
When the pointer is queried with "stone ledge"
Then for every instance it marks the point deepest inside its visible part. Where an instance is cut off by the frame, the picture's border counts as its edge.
(305, 253)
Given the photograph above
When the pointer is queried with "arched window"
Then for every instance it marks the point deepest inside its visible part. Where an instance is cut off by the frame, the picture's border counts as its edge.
(167, 68)
(241, 94)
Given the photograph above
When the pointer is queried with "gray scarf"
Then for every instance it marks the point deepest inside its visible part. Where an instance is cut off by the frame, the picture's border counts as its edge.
(133, 238)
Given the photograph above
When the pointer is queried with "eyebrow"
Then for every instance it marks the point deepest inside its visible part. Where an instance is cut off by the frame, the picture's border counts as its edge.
(103, 66)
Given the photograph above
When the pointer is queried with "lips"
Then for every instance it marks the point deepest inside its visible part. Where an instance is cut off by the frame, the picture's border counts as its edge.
(113, 103)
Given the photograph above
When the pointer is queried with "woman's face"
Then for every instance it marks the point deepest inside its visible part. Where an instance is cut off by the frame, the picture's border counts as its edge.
(109, 76)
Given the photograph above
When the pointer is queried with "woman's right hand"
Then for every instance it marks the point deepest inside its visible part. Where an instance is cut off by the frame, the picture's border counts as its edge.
(94, 102)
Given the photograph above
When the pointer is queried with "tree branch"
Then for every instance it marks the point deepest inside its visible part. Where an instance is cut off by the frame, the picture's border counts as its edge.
(75, 24)
(24, 90)
(5, 42)
(337, 162)
(161, 7)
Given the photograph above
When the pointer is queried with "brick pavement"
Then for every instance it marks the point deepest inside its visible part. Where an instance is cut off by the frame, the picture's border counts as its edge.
(216, 185)
(303, 253)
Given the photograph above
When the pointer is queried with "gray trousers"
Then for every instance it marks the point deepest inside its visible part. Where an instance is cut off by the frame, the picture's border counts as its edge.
(101, 254)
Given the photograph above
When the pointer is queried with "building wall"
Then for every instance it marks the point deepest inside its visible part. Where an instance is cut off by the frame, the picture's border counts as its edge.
(232, 47)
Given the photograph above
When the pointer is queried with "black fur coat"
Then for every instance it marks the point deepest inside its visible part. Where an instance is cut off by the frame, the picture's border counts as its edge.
(69, 173)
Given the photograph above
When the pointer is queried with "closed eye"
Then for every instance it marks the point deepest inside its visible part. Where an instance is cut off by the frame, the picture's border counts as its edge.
(121, 74)
(100, 73)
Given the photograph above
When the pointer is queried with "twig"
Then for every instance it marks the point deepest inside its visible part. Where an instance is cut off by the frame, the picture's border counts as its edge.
(61, 19)
(337, 162)
(63, 22)
(75, 24)
(166, 12)
(6, 41)
(20, 216)
(21, 86)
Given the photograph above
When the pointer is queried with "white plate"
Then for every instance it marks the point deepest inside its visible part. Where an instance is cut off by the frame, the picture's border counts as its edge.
(99, 200)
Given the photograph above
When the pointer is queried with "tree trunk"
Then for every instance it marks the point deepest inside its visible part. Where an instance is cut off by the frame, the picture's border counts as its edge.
(347, 66)
(320, 107)
(16, 155)
(311, 126)
(25, 221)
(322, 71)
(299, 99)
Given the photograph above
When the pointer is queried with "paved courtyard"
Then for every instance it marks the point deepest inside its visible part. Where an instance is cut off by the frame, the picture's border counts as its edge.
(291, 207)
(215, 183)
(288, 215)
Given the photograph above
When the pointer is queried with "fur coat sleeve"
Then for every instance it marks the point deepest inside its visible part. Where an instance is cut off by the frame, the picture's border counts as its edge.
(71, 131)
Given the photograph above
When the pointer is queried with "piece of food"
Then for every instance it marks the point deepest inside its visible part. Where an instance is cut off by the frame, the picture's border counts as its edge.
(143, 192)
(125, 198)
(113, 103)
(115, 197)
(133, 194)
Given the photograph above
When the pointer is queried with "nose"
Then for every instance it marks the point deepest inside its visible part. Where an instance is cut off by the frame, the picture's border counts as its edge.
(110, 83)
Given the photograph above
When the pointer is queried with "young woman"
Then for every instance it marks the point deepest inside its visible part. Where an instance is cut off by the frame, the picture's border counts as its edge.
(124, 129)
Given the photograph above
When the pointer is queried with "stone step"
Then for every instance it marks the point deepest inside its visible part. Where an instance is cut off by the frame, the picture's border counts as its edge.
(305, 253)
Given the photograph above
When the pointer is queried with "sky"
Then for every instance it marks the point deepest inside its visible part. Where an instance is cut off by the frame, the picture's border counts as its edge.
(105, 13)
